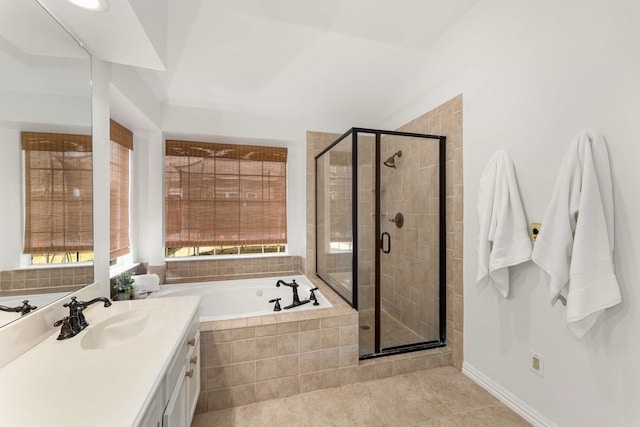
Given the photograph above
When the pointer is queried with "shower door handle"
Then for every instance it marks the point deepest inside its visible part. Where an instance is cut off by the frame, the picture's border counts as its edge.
(388, 236)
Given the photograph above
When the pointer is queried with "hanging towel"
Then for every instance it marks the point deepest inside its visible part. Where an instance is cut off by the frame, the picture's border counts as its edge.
(575, 244)
(503, 241)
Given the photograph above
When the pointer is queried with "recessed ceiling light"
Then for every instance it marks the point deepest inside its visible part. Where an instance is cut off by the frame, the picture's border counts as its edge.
(92, 5)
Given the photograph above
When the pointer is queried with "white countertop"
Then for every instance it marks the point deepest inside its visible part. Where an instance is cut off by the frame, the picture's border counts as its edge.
(58, 383)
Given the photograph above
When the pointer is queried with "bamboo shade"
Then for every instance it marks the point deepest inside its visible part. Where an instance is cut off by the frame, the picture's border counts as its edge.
(58, 193)
(121, 145)
(224, 194)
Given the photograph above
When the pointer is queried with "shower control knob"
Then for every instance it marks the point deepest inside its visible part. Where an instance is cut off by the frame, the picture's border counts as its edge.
(398, 220)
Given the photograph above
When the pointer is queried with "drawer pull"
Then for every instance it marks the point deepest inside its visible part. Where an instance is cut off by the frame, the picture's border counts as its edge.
(194, 360)
(189, 373)
(192, 342)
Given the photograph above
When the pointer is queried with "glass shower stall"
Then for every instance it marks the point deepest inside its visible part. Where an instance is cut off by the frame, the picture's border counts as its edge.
(380, 235)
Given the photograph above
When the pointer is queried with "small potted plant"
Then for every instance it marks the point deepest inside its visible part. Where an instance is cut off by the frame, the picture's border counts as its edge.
(123, 286)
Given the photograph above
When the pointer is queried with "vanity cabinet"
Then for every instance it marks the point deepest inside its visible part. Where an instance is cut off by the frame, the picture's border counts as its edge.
(174, 403)
(182, 385)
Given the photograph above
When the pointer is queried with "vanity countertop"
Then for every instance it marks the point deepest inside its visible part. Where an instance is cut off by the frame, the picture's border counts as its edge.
(69, 383)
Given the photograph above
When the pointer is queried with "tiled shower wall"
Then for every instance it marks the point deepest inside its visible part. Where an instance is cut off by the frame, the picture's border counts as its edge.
(447, 120)
(444, 120)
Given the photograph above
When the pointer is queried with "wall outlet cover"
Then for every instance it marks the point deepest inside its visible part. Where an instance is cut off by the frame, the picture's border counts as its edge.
(536, 363)
(534, 230)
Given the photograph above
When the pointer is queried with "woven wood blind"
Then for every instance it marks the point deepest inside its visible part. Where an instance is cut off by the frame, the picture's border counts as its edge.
(58, 193)
(224, 194)
(121, 145)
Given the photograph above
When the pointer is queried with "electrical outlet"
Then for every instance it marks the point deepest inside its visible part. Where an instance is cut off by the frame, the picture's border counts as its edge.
(536, 363)
(534, 230)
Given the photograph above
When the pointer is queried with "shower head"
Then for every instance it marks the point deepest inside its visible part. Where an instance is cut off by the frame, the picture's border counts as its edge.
(391, 161)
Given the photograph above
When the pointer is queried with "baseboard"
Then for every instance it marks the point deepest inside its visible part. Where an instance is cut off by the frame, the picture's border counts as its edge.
(511, 401)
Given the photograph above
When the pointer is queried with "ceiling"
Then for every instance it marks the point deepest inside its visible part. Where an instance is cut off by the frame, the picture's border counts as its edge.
(348, 59)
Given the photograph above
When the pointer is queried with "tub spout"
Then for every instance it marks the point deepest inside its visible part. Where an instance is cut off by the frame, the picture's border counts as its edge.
(296, 298)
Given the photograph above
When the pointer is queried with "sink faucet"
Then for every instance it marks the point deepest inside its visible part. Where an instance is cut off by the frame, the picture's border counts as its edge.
(76, 322)
(22, 309)
(296, 299)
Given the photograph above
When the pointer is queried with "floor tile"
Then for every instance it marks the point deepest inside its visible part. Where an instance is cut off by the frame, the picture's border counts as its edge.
(440, 397)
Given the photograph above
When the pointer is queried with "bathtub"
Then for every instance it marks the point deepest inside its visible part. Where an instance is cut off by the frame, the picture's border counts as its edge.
(233, 299)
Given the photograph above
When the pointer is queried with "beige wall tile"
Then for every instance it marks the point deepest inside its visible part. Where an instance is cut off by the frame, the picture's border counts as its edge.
(309, 382)
(218, 377)
(287, 365)
(309, 362)
(243, 351)
(266, 369)
(243, 373)
(219, 399)
(218, 354)
(265, 347)
(349, 335)
(266, 390)
(243, 394)
(288, 344)
(288, 386)
(329, 358)
(311, 340)
(349, 355)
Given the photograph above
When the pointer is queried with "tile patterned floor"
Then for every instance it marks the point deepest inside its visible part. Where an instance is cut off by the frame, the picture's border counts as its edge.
(441, 397)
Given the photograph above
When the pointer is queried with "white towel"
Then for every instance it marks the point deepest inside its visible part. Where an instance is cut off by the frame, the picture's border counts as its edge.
(146, 282)
(504, 240)
(575, 244)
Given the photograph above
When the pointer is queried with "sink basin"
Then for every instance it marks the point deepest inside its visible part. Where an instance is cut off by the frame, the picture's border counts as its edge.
(116, 330)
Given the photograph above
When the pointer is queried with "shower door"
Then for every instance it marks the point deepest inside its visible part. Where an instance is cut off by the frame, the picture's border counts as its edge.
(403, 175)
(380, 235)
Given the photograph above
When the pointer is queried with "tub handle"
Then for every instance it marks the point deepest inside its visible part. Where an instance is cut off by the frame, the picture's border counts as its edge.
(388, 236)
(194, 360)
(312, 296)
(191, 342)
(277, 306)
(189, 373)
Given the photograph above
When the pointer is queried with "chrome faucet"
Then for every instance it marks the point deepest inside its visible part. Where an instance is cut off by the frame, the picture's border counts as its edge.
(296, 299)
(76, 322)
(22, 309)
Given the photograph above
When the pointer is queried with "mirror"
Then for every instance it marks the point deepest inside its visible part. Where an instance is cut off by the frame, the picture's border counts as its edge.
(45, 86)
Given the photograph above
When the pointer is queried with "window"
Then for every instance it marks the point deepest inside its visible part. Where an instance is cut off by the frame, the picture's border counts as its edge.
(223, 198)
(121, 146)
(58, 197)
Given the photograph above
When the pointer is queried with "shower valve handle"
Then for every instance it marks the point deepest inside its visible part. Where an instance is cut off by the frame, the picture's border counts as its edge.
(398, 220)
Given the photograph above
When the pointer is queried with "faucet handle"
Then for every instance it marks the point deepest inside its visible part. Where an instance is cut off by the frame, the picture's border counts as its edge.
(312, 297)
(26, 307)
(66, 331)
(72, 303)
(277, 306)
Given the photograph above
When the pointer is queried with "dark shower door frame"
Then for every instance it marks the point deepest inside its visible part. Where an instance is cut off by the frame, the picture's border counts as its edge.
(378, 350)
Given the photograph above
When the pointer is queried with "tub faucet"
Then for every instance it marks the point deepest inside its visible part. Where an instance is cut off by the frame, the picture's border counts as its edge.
(296, 299)
(22, 309)
(76, 322)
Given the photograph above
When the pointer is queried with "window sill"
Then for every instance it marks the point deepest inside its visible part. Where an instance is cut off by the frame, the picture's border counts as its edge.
(225, 257)
(50, 266)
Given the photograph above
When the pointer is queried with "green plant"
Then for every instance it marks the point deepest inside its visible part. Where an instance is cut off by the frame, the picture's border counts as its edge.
(123, 282)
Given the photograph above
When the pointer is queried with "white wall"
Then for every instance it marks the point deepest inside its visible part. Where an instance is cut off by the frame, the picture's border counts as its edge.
(533, 74)
(11, 216)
